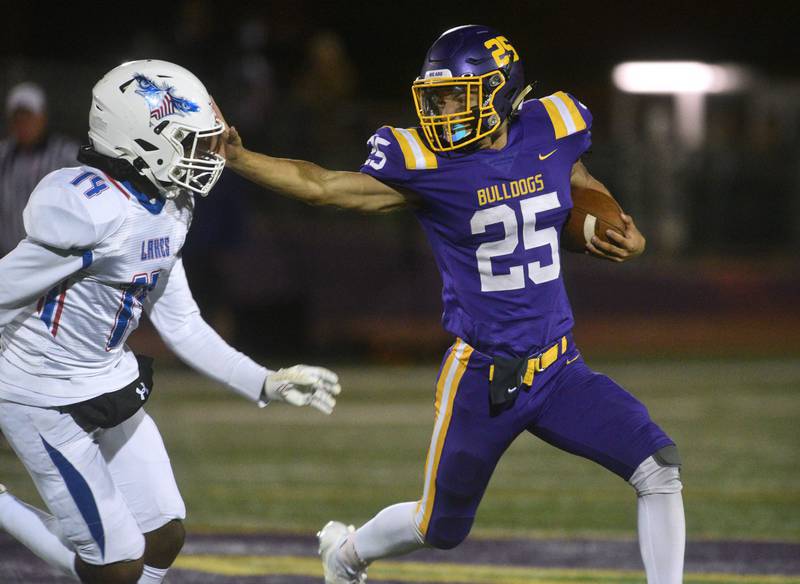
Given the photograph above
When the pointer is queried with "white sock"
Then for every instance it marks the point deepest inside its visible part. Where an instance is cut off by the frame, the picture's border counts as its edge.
(38, 531)
(662, 537)
(151, 575)
(391, 532)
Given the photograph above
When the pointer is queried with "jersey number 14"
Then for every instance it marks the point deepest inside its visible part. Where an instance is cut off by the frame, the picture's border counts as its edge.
(531, 238)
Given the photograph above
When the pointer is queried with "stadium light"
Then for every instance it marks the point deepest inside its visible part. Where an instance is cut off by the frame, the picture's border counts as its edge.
(676, 77)
(687, 81)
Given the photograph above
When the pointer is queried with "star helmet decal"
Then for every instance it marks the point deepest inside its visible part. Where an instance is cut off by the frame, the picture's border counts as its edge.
(162, 100)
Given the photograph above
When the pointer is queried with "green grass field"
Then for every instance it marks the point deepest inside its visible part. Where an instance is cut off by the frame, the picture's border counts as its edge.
(241, 468)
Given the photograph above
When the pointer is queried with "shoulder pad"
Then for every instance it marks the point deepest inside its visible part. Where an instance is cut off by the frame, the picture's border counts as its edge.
(416, 154)
(394, 151)
(74, 208)
(567, 115)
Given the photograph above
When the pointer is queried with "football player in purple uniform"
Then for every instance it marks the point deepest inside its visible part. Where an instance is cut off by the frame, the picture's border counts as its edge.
(489, 175)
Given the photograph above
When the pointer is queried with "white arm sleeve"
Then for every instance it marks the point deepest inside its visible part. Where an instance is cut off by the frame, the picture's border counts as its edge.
(176, 316)
(30, 270)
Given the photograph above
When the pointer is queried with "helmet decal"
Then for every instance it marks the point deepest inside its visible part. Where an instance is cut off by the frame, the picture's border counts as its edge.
(438, 73)
(161, 100)
(502, 51)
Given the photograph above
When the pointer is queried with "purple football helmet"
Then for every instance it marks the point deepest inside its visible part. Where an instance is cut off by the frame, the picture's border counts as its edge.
(467, 87)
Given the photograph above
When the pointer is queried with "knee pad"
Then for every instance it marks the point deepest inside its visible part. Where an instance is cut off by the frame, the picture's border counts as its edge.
(658, 474)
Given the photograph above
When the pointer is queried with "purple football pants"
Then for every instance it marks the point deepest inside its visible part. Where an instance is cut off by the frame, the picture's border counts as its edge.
(568, 406)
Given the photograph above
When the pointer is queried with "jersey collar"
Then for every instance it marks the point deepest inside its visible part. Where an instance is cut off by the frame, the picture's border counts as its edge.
(154, 206)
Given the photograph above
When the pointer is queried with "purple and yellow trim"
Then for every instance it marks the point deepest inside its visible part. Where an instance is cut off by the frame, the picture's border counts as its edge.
(446, 390)
(416, 154)
(564, 114)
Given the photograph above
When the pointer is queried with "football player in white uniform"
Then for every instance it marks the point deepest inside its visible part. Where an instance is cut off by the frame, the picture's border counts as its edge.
(104, 243)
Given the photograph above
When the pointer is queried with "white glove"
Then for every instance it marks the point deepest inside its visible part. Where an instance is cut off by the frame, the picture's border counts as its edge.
(304, 385)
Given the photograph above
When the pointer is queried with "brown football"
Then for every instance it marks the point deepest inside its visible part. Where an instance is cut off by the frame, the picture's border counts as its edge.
(592, 213)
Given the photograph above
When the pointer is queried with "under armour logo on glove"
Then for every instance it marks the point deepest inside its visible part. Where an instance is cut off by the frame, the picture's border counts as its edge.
(142, 391)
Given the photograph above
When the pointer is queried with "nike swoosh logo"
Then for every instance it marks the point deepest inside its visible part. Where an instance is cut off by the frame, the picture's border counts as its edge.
(511, 390)
(548, 155)
(573, 359)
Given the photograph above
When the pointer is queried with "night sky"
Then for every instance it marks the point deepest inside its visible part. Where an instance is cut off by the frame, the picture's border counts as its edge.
(563, 42)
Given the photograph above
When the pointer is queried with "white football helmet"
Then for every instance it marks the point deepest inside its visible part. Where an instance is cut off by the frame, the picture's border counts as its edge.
(158, 116)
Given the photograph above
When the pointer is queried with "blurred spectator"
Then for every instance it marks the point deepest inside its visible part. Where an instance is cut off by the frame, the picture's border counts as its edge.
(26, 156)
(330, 76)
(332, 112)
(248, 90)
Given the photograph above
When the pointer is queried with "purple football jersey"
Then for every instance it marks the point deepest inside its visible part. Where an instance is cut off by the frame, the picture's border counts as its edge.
(494, 219)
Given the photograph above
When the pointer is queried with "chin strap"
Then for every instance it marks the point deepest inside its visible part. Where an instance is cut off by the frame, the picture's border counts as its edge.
(515, 105)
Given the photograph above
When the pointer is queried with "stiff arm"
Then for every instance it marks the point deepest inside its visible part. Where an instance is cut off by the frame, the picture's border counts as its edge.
(315, 185)
(311, 183)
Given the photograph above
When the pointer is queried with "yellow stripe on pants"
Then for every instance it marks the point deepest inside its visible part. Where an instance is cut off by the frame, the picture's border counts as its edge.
(446, 390)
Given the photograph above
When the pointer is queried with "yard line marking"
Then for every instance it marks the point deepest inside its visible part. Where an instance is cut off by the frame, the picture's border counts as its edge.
(439, 572)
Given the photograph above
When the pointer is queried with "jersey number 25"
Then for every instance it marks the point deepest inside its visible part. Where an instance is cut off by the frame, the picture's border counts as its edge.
(531, 238)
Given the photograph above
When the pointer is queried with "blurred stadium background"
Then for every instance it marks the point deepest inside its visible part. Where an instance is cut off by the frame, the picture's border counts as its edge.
(705, 327)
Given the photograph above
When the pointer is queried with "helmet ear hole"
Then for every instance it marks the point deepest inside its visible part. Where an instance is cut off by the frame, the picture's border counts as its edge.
(186, 139)
(146, 146)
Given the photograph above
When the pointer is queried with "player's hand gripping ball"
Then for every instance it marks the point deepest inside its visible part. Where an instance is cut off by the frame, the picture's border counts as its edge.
(597, 225)
(304, 385)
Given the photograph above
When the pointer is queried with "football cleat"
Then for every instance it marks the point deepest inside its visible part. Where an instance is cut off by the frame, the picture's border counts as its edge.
(331, 538)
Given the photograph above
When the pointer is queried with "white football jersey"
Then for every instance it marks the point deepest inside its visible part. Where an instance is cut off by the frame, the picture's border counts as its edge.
(121, 247)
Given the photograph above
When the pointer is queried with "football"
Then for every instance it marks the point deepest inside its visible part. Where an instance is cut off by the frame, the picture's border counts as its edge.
(592, 213)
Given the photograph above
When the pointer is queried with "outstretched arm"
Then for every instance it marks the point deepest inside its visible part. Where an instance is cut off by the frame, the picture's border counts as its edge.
(309, 182)
(176, 317)
(625, 247)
